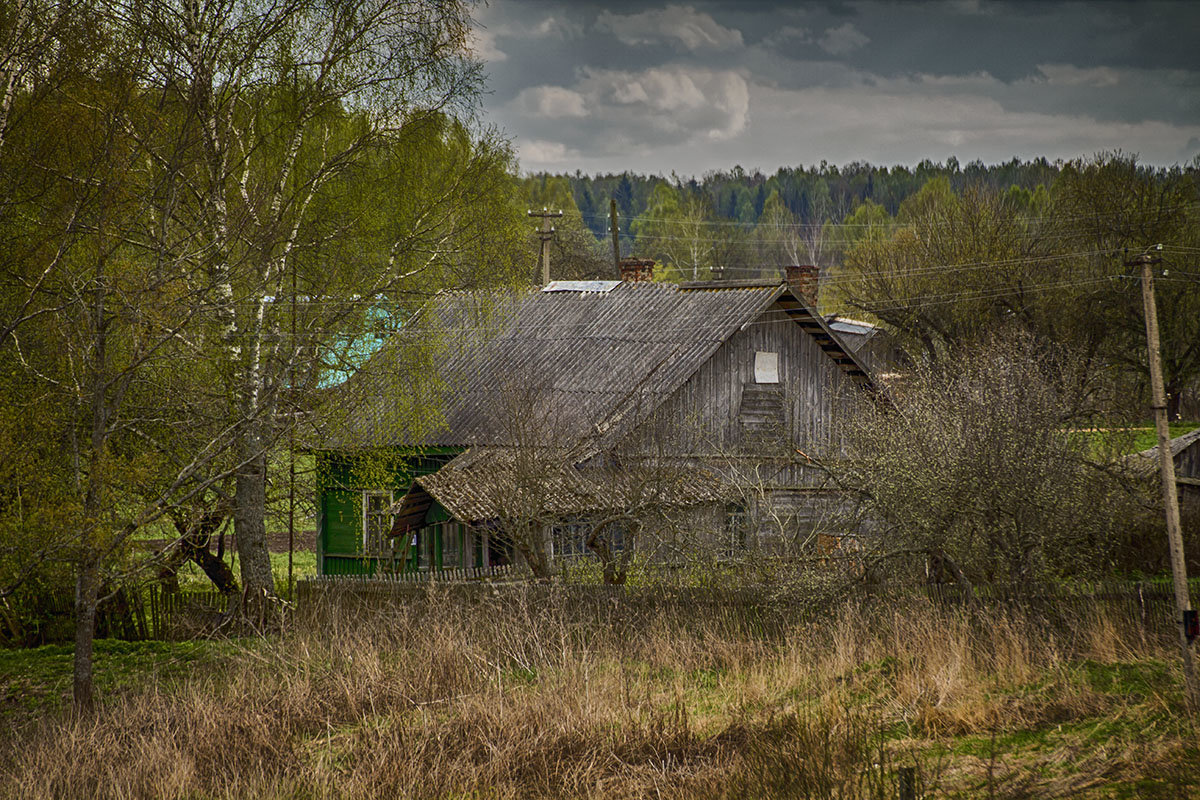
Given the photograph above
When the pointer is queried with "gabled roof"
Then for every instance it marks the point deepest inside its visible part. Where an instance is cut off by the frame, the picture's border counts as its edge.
(588, 361)
(1177, 445)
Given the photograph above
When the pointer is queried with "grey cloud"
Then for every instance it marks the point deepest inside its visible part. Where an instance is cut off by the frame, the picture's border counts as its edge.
(677, 24)
(615, 110)
(776, 83)
(843, 39)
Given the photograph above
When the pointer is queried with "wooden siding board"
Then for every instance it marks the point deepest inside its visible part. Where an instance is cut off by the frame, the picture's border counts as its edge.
(814, 388)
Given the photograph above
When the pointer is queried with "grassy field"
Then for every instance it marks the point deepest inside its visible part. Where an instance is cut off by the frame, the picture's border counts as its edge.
(304, 565)
(1145, 436)
(1137, 438)
(518, 697)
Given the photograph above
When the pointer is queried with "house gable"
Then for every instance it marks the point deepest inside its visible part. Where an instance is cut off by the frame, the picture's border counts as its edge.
(727, 405)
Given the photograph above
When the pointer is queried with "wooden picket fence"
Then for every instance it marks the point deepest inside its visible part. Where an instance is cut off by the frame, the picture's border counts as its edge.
(455, 574)
(764, 608)
(156, 613)
(161, 610)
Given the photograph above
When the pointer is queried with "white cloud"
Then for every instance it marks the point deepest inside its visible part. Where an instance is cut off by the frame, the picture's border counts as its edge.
(906, 119)
(676, 101)
(544, 153)
(679, 25)
(553, 102)
(843, 39)
(482, 43)
(627, 113)
(556, 28)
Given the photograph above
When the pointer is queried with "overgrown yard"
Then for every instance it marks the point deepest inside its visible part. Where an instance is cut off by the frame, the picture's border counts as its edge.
(531, 694)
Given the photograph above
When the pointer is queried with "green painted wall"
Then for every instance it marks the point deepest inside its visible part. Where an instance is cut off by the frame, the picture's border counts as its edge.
(342, 478)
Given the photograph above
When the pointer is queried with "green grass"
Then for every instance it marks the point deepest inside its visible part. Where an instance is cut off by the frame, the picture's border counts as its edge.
(37, 681)
(1146, 437)
(1136, 438)
(304, 565)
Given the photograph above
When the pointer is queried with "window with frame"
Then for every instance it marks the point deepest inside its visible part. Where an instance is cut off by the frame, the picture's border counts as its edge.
(377, 522)
(452, 545)
(766, 367)
(737, 523)
(569, 539)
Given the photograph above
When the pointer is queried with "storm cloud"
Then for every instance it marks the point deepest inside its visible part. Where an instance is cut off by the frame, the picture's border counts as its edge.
(690, 87)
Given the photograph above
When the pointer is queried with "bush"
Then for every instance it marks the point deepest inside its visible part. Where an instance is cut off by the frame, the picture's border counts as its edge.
(975, 471)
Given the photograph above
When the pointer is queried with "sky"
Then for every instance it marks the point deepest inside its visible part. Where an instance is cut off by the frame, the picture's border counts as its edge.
(692, 87)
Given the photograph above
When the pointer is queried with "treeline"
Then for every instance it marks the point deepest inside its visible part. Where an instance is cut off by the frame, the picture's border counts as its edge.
(813, 195)
(744, 224)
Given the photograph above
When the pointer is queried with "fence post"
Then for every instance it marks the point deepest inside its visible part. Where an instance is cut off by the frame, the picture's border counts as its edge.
(908, 783)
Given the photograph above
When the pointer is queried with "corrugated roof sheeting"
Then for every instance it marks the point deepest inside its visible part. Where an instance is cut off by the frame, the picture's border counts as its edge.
(480, 368)
(578, 358)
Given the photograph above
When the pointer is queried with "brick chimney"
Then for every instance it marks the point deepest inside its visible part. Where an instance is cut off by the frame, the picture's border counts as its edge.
(636, 270)
(804, 280)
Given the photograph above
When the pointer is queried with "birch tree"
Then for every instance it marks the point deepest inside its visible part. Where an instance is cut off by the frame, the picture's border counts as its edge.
(275, 108)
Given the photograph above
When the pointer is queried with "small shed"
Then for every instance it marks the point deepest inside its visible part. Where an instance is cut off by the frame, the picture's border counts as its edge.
(1185, 452)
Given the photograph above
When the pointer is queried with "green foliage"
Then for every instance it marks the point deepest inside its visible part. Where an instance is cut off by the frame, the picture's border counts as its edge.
(674, 231)
(575, 253)
(960, 265)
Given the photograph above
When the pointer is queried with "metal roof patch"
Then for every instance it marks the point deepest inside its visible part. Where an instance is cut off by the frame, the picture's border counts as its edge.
(581, 286)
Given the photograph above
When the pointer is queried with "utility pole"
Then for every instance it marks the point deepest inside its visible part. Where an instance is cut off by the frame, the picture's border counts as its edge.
(545, 234)
(294, 351)
(612, 224)
(1166, 463)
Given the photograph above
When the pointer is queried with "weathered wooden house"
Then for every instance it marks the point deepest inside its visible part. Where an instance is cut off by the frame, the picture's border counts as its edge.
(577, 400)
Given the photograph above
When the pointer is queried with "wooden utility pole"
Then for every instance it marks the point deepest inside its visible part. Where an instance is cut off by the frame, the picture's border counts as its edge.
(545, 234)
(292, 443)
(1166, 464)
(616, 237)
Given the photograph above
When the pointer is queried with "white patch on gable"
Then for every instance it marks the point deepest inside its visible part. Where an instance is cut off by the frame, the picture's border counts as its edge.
(766, 367)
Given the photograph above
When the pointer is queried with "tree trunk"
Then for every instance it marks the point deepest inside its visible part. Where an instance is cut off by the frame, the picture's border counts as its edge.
(87, 592)
(193, 546)
(217, 570)
(249, 524)
(1174, 398)
(530, 542)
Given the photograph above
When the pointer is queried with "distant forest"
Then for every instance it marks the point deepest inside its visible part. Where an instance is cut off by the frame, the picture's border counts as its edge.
(739, 224)
(812, 195)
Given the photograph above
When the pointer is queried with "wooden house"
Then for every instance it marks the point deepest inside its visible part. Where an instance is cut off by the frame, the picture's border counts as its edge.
(560, 397)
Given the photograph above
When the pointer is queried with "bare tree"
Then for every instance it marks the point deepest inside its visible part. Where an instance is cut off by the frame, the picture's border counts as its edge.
(977, 469)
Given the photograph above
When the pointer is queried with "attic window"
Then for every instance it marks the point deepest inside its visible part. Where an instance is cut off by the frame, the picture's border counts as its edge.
(766, 367)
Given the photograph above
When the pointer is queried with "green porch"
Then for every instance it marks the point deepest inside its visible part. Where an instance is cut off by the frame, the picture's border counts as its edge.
(356, 493)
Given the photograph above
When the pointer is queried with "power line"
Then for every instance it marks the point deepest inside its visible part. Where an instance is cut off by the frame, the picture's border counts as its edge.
(687, 322)
(832, 280)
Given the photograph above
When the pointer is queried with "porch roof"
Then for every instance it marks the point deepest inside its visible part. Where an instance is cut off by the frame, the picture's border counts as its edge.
(511, 483)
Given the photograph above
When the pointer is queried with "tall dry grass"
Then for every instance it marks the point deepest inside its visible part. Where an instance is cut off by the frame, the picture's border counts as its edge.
(532, 695)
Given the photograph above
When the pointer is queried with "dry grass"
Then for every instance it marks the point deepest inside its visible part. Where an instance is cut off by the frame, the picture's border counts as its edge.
(531, 696)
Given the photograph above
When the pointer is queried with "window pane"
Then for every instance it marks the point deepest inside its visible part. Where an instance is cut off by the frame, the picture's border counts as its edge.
(766, 367)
